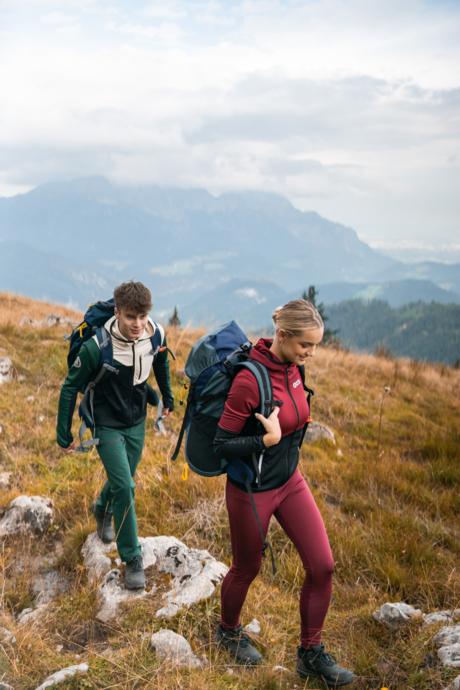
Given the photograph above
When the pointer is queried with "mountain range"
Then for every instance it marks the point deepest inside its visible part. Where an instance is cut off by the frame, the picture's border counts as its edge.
(74, 241)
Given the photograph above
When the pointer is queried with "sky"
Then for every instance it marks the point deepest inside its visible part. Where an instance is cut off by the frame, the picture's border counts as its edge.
(350, 108)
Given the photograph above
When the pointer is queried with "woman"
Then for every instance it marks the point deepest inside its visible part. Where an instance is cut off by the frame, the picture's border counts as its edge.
(281, 491)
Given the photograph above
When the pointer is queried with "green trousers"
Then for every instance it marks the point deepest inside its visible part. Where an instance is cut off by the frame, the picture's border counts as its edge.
(120, 451)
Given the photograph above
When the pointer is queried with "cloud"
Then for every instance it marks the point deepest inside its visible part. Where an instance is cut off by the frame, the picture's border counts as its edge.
(349, 108)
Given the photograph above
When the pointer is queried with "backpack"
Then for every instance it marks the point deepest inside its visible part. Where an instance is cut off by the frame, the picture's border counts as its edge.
(93, 322)
(211, 366)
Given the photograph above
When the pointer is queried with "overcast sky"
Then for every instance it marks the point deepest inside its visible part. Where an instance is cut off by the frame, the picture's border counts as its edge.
(347, 107)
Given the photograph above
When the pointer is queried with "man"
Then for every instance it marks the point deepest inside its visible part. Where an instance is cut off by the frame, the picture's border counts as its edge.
(120, 404)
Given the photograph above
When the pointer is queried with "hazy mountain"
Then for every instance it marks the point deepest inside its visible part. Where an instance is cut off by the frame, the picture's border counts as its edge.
(251, 303)
(48, 276)
(183, 243)
(395, 292)
(446, 276)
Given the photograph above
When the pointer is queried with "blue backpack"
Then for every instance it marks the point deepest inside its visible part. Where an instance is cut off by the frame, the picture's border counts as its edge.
(211, 366)
(93, 324)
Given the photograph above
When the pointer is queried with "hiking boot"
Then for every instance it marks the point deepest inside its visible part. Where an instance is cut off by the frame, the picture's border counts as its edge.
(104, 523)
(134, 573)
(315, 662)
(238, 644)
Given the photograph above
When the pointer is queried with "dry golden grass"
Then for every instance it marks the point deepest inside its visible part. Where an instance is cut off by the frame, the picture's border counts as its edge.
(392, 517)
(14, 306)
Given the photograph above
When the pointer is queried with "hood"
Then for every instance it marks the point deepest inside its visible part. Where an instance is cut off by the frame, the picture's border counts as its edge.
(261, 353)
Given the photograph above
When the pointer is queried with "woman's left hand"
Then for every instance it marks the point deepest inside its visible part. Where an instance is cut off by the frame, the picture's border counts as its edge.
(272, 427)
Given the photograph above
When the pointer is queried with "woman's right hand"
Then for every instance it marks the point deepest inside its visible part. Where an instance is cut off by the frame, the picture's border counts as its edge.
(272, 427)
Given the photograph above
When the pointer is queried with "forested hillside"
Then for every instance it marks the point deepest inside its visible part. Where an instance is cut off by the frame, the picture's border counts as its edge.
(387, 490)
(417, 330)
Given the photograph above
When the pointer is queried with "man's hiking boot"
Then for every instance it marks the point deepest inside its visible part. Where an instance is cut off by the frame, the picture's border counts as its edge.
(134, 573)
(104, 523)
(315, 662)
(238, 644)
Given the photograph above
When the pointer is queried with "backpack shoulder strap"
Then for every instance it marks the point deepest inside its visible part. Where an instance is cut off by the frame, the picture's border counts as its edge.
(157, 339)
(264, 382)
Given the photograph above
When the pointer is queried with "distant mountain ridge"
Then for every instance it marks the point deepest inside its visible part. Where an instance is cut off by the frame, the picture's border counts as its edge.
(184, 242)
(238, 255)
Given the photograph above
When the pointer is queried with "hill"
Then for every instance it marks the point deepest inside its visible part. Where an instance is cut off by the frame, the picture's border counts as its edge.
(389, 500)
(424, 331)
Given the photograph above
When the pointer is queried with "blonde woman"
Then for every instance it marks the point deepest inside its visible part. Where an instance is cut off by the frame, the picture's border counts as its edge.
(280, 491)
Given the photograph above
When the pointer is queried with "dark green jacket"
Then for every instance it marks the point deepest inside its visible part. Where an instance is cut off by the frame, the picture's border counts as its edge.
(120, 401)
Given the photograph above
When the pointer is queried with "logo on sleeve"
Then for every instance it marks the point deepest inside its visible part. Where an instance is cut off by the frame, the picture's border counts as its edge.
(296, 383)
(77, 363)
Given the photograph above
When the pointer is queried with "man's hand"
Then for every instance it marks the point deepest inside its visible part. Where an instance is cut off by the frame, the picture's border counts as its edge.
(166, 412)
(69, 450)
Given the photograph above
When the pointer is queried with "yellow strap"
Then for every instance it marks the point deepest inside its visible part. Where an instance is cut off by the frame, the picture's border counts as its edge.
(80, 328)
(185, 471)
(184, 388)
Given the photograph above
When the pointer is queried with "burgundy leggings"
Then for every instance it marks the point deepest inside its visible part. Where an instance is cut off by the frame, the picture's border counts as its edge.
(296, 511)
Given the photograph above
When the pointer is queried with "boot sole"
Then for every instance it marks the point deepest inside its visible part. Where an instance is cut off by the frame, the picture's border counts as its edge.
(134, 589)
(312, 674)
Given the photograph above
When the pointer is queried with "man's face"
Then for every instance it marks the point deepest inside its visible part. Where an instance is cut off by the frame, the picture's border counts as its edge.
(131, 325)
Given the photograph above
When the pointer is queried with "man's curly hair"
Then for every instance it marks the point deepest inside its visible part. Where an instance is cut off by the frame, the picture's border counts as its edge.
(133, 297)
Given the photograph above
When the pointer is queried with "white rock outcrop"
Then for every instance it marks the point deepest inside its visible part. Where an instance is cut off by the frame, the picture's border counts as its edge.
(111, 593)
(95, 557)
(195, 574)
(253, 628)
(7, 636)
(455, 685)
(6, 369)
(317, 431)
(438, 617)
(5, 479)
(450, 656)
(175, 649)
(27, 514)
(62, 675)
(395, 615)
(448, 635)
(28, 616)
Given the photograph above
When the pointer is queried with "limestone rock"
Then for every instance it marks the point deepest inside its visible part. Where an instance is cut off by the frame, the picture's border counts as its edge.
(175, 648)
(62, 675)
(28, 616)
(26, 514)
(438, 617)
(5, 479)
(6, 369)
(195, 574)
(253, 628)
(448, 635)
(95, 558)
(111, 593)
(397, 614)
(316, 431)
(455, 685)
(450, 656)
(7, 636)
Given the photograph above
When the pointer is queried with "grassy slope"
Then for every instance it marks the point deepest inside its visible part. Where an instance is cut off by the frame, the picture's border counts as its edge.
(392, 520)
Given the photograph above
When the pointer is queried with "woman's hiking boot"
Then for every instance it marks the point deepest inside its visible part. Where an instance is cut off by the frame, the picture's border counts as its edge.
(238, 644)
(134, 573)
(315, 662)
(104, 523)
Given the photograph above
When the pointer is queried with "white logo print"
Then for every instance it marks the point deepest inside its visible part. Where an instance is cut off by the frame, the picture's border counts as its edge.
(296, 383)
(77, 363)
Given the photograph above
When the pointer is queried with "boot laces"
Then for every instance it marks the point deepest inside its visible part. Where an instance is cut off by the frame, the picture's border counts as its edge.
(324, 658)
(242, 637)
(136, 564)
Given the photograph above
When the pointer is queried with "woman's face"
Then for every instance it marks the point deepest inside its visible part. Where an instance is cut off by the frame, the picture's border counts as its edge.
(296, 349)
